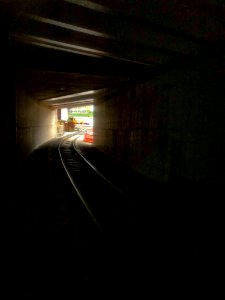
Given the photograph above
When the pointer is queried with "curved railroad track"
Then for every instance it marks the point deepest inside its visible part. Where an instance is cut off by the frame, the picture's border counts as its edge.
(103, 200)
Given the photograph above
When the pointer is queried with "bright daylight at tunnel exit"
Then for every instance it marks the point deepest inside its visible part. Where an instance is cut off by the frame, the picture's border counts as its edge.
(76, 120)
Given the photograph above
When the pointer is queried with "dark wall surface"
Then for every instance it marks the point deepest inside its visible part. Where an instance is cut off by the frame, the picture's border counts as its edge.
(170, 128)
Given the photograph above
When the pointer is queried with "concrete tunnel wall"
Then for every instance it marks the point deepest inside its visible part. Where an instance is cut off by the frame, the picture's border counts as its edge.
(35, 124)
(171, 128)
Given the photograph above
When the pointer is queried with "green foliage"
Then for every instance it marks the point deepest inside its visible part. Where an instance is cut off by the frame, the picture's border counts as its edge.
(81, 114)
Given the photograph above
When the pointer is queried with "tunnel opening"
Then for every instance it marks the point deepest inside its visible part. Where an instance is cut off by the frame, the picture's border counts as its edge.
(76, 119)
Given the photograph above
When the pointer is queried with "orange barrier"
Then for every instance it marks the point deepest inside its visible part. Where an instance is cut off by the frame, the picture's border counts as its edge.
(88, 137)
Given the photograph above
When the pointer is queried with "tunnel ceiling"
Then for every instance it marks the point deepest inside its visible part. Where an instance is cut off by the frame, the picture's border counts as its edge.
(68, 47)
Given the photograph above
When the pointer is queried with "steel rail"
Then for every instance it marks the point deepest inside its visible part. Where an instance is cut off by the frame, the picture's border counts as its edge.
(79, 193)
(96, 170)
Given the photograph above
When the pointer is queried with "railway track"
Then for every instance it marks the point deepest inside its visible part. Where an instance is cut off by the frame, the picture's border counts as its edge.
(106, 204)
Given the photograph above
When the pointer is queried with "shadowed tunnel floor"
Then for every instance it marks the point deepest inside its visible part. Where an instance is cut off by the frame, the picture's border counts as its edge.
(175, 245)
